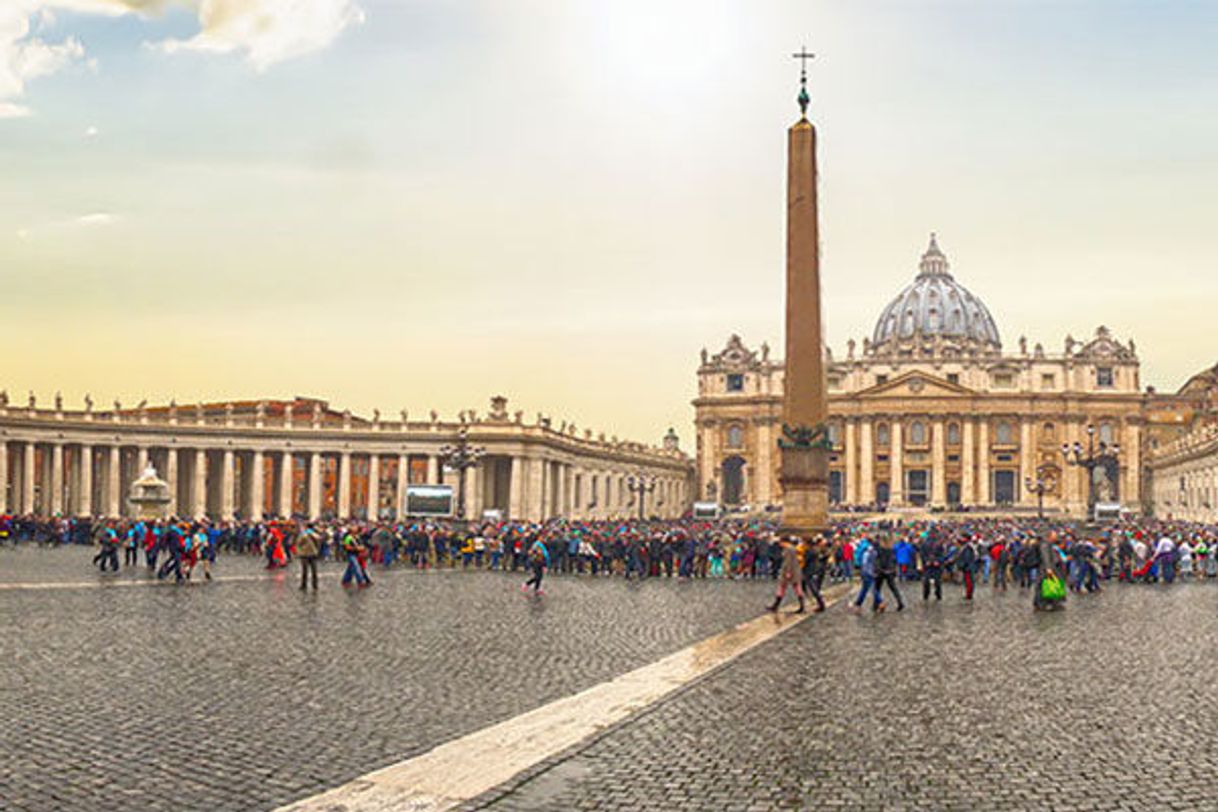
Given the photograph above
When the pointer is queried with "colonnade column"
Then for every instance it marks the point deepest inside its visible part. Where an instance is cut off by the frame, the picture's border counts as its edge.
(4, 508)
(516, 489)
(84, 504)
(27, 479)
(171, 478)
(55, 502)
(536, 494)
(198, 490)
(113, 482)
(257, 485)
(344, 485)
(851, 497)
(983, 463)
(938, 461)
(560, 490)
(227, 473)
(286, 480)
(968, 493)
(141, 461)
(1027, 461)
(866, 491)
(896, 462)
(433, 470)
(399, 501)
(473, 493)
(313, 509)
(374, 487)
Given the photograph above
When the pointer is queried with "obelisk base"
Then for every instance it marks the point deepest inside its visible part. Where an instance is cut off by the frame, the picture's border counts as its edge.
(805, 491)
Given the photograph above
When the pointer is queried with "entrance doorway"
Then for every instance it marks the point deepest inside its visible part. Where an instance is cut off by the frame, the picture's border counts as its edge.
(953, 493)
(1004, 488)
(837, 486)
(917, 487)
(882, 493)
(733, 480)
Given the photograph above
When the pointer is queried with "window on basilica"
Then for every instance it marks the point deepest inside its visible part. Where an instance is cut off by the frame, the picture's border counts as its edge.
(880, 380)
(1048, 382)
(1104, 377)
(735, 383)
(735, 437)
(882, 438)
(1005, 434)
(953, 377)
(1004, 380)
(953, 434)
(917, 433)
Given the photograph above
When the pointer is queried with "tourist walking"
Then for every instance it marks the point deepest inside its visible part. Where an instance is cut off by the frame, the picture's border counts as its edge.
(539, 560)
(308, 547)
(790, 575)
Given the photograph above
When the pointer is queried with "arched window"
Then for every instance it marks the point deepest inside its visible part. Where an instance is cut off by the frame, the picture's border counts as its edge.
(835, 434)
(1107, 433)
(1050, 432)
(953, 434)
(735, 437)
(1005, 435)
(882, 438)
(917, 433)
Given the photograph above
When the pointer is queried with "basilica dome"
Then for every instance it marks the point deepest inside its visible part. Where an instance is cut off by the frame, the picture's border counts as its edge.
(935, 305)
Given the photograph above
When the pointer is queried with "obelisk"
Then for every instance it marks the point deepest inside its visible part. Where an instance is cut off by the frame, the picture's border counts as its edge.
(803, 447)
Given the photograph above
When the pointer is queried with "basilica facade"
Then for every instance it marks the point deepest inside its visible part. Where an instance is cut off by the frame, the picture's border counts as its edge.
(931, 411)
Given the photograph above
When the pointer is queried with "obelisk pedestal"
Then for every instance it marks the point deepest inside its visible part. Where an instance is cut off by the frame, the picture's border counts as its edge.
(804, 446)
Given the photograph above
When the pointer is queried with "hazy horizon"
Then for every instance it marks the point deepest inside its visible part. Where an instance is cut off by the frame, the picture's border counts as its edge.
(394, 205)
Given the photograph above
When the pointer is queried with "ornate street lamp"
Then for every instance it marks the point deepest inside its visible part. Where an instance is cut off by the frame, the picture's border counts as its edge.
(641, 485)
(460, 457)
(1042, 484)
(1089, 459)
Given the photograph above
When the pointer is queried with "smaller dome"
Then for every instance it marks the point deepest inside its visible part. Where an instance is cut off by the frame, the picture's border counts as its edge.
(935, 304)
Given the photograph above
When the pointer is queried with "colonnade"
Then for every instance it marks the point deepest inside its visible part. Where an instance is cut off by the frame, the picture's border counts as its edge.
(58, 477)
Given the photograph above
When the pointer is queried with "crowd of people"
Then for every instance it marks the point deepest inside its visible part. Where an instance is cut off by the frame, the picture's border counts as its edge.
(1049, 558)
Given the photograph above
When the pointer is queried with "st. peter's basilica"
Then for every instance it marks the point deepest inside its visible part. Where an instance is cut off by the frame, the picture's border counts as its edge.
(931, 411)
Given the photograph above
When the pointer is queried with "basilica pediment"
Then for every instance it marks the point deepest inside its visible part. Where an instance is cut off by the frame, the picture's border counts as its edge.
(916, 385)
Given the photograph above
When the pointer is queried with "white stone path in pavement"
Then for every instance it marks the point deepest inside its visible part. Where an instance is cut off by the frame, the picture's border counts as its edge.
(464, 768)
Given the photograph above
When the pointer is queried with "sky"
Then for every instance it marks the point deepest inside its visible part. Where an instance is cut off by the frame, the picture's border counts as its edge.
(394, 204)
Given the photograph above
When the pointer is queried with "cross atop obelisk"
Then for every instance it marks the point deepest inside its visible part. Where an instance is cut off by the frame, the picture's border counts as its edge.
(803, 56)
(804, 444)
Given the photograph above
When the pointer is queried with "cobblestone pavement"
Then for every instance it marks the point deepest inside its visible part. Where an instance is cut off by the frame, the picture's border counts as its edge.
(249, 694)
(1110, 704)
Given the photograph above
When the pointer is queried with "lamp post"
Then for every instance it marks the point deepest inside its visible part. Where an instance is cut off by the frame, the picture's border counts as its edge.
(1042, 484)
(641, 485)
(1089, 459)
(460, 457)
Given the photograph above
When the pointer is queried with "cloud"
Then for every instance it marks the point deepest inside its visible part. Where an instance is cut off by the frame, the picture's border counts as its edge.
(265, 32)
(268, 31)
(97, 218)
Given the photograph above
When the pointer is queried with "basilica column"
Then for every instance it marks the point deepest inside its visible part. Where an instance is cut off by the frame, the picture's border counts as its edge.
(983, 463)
(84, 506)
(896, 462)
(968, 463)
(287, 478)
(27, 478)
(516, 489)
(374, 487)
(764, 475)
(866, 491)
(114, 483)
(257, 485)
(198, 495)
(227, 473)
(344, 485)
(1131, 451)
(560, 490)
(851, 496)
(171, 478)
(56, 500)
(938, 490)
(314, 507)
(433, 470)
(1027, 461)
(141, 461)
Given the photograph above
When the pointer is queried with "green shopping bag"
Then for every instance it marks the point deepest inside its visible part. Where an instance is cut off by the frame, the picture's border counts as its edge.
(1052, 588)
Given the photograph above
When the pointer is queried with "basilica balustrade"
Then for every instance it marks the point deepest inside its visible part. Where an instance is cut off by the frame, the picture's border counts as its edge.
(255, 459)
